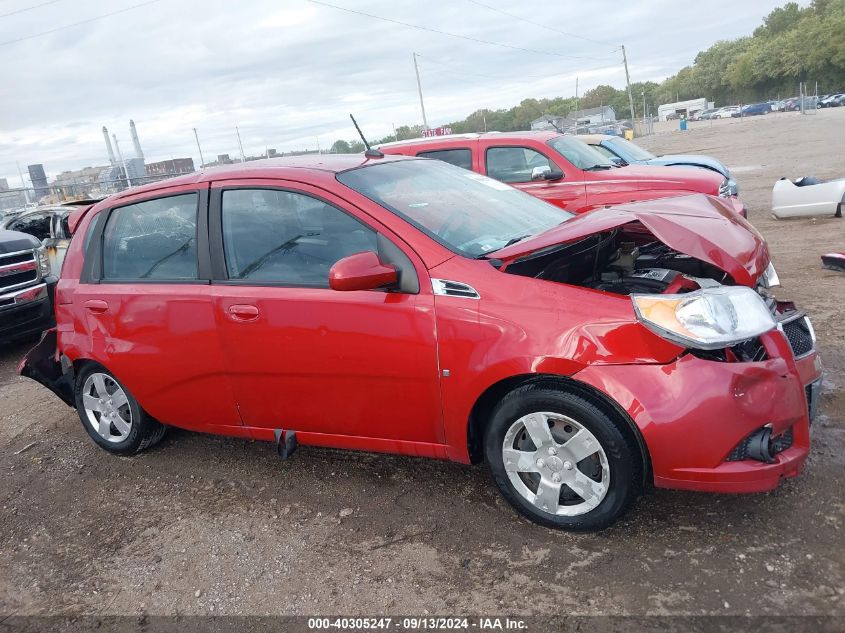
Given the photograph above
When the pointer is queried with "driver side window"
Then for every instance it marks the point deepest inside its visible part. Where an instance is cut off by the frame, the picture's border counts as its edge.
(276, 236)
(515, 164)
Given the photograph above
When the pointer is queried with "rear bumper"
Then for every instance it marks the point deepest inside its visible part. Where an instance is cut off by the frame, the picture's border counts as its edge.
(693, 413)
(27, 311)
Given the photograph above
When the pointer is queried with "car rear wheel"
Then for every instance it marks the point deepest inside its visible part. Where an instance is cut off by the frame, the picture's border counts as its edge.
(112, 416)
(560, 460)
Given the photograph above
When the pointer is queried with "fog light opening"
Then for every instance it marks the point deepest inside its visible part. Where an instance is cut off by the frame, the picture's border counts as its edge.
(760, 446)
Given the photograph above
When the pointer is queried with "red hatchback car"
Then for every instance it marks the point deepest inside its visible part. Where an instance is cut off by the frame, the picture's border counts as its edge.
(408, 306)
(563, 170)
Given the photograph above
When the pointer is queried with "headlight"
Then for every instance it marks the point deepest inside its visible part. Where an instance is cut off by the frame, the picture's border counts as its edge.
(770, 278)
(725, 189)
(44, 262)
(705, 319)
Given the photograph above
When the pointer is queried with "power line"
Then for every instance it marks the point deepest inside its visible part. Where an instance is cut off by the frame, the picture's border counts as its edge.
(521, 75)
(25, 9)
(455, 35)
(81, 22)
(542, 26)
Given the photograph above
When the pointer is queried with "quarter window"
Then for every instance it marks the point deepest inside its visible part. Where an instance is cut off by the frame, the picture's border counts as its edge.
(283, 237)
(456, 157)
(515, 164)
(156, 239)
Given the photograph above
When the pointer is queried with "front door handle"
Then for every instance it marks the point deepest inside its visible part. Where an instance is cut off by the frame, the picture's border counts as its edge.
(243, 312)
(96, 306)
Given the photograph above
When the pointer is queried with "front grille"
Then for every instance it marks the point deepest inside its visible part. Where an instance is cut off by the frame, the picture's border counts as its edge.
(798, 334)
(779, 444)
(18, 270)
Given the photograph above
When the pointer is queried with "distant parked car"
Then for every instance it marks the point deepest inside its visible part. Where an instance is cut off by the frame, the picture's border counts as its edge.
(619, 149)
(794, 104)
(725, 113)
(778, 106)
(830, 101)
(703, 115)
(838, 101)
(755, 109)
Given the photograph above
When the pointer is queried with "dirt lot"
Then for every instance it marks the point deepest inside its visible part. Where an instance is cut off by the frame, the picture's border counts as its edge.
(208, 525)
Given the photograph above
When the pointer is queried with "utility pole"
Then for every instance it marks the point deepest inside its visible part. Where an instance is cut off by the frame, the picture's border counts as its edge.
(628, 80)
(644, 121)
(419, 89)
(576, 105)
(122, 162)
(202, 160)
(241, 145)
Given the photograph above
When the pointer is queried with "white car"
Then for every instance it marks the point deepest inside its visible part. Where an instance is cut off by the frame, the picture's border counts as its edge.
(726, 113)
(807, 197)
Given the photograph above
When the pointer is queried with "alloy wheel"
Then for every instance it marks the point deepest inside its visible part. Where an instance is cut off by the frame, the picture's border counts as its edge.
(556, 464)
(107, 407)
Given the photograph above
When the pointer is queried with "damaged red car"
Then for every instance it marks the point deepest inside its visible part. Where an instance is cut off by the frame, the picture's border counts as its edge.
(408, 306)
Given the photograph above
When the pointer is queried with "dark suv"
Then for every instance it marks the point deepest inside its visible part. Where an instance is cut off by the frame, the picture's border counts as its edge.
(26, 287)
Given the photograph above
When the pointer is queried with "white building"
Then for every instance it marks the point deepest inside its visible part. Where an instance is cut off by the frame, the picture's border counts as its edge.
(594, 116)
(682, 108)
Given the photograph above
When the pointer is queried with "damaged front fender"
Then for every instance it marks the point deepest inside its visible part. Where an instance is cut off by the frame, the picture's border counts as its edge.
(42, 364)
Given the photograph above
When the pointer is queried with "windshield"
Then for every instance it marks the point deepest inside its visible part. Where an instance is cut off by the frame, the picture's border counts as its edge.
(468, 213)
(631, 152)
(579, 153)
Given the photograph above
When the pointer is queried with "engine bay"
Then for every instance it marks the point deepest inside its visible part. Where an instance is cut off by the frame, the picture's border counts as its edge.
(621, 263)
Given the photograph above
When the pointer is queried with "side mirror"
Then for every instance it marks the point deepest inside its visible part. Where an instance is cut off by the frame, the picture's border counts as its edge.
(361, 271)
(545, 172)
(539, 173)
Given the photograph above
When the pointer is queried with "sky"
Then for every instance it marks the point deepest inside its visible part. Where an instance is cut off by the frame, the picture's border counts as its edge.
(289, 72)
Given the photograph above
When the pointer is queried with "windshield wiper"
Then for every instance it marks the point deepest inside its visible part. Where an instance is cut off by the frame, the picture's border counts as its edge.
(597, 167)
(514, 240)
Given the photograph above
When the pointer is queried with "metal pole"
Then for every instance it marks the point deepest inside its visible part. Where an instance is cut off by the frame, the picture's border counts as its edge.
(122, 162)
(202, 160)
(419, 89)
(241, 145)
(644, 121)
(628, 80)
(576, 105)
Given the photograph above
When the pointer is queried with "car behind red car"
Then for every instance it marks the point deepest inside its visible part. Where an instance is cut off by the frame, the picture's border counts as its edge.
(563, 170)
(408, 306)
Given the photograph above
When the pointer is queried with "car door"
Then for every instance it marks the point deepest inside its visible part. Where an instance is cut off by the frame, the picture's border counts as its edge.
(143, 309)
(353, 369)
(514, 164)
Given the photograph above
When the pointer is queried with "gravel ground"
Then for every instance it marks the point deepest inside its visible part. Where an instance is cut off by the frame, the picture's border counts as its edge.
(210, 525)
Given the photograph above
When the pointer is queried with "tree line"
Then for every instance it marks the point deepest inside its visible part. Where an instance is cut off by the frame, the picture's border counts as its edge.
(793, 44)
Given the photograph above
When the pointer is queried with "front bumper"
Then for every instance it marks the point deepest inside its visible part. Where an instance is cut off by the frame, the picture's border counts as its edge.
(693, 413)
(27, 311)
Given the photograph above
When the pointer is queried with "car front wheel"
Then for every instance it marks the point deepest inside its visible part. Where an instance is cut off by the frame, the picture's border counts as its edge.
(111, 415)
(560, 460)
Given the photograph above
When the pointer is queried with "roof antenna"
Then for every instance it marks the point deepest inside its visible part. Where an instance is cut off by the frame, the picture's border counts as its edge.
(554, 125)
(370, 153)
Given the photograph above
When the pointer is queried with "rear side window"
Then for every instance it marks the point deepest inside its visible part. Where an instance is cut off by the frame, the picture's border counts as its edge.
(156, 239)
(456, 157)
(515, 164)
(273, 236)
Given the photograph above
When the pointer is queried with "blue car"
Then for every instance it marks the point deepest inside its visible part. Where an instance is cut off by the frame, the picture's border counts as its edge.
(755, 109)
(624, 152)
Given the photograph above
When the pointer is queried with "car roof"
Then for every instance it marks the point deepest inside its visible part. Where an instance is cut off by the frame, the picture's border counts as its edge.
(284, 167)
(454, 139)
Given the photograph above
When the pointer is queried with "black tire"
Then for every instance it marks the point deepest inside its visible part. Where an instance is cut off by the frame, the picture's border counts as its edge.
(145, 431)
(622, 455)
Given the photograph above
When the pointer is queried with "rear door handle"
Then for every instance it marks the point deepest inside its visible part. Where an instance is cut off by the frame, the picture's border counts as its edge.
(96, 306)
(243, 312)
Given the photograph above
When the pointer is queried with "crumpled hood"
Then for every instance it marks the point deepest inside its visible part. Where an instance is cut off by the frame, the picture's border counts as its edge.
(701, 226)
